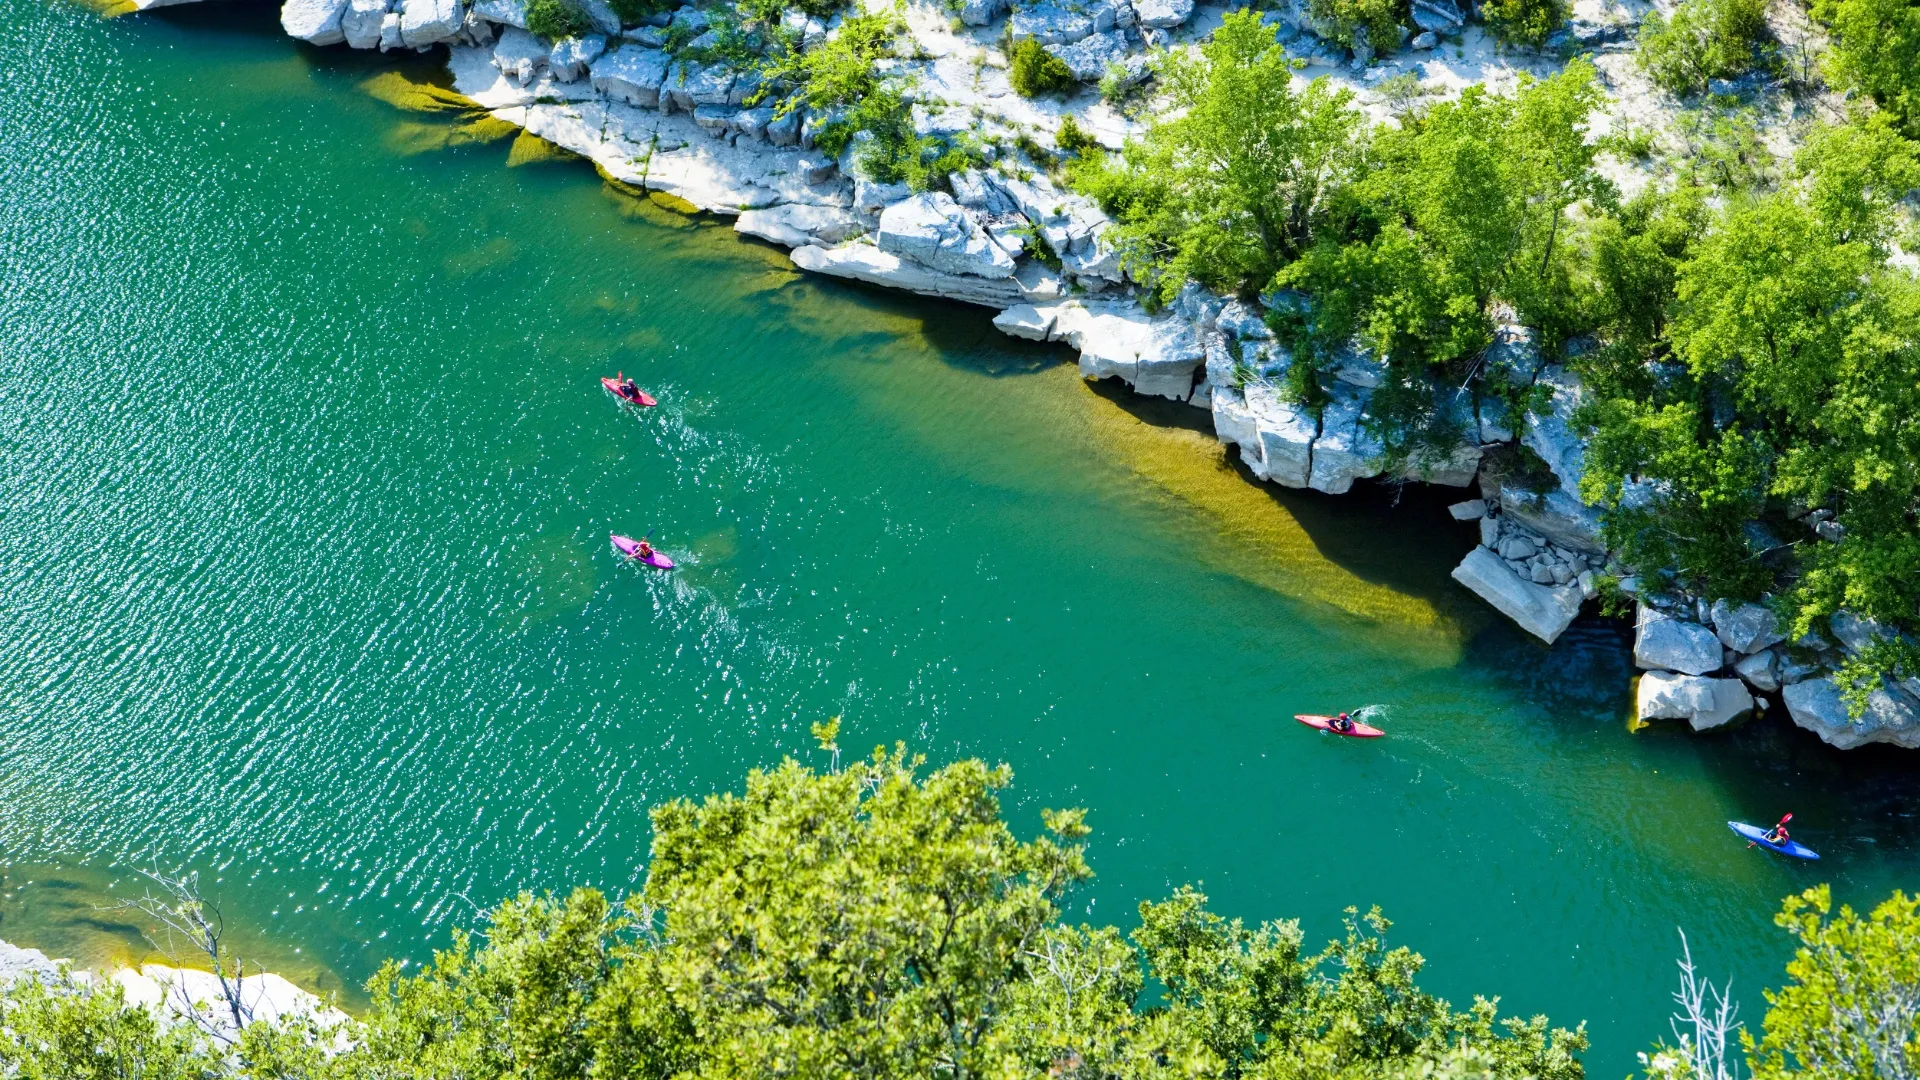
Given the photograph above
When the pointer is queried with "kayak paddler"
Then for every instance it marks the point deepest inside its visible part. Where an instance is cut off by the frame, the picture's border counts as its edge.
(627, 388)
(1342, 723)
(1777, 835)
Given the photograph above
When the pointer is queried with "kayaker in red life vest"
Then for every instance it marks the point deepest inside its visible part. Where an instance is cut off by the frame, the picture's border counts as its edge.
(646, 551)
(1342, 723)
(1778, 834)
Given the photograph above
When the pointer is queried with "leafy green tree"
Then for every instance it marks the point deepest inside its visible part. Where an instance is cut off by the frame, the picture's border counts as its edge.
(1876, 50)
(1460, 207)
(1704, 40)
(1227, 192)
(1852, 1011)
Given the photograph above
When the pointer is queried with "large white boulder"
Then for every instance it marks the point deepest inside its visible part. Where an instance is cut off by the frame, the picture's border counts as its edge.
(632, 74)
(317, 21)
(690, 85)
(798, 224)
(1703, 703)
(932, 229)
(504, 12)
(1892, 715)
(1761, 670)
(1091, 57)
(1025, 321)
(1117, 338)
(1540, 610)
(360, 23)
(1162, 14)
(1050, 23)
(1662, 641)
(569, 57)
(864, 262)
(519, 55)
(424, 22)
(1747, 628)
(981, 12)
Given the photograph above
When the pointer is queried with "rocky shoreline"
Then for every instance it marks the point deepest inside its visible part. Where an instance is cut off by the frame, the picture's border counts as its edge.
(1009, 239)
(177, 995)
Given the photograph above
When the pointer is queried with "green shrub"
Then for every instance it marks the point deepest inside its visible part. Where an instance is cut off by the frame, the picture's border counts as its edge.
(1073, 139)
(1704, 40)
(1380, 18)
(558, 19)
(1035, 71)
(636, 11)
(1876, 49)
(1524, 22)
(836, 75)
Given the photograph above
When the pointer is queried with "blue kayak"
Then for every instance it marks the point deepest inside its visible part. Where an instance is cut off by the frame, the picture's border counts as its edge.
(1792, 848)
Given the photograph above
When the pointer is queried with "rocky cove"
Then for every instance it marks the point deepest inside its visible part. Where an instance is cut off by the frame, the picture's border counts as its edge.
(1010, 239)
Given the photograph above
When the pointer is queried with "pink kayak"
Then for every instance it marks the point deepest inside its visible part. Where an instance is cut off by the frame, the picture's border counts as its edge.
(635, 396)
(628, 546)
(1325, 723)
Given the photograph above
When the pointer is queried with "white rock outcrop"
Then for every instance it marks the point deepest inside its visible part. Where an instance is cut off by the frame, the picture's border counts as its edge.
(1761, 670)
(1162, 14)
(1747, 628)
(864, 262)
(1541, 610)
(316, 21)
(1662, 641)
(426, 22)
(1158, 355)
(1892, 716)
(631, 73)
(360, 24)
(933, 230)
(798, 225)
(1704, 703)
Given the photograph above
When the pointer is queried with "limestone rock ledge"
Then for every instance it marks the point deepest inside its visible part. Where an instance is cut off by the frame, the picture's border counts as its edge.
(1541, 610)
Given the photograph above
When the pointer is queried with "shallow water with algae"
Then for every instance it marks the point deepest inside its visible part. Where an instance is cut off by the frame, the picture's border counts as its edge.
(305, 490)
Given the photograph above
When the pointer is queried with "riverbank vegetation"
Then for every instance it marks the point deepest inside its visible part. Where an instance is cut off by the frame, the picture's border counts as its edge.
(878, 921)
(1748, 343)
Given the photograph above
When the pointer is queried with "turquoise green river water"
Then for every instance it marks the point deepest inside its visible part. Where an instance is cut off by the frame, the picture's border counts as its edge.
(305, 487)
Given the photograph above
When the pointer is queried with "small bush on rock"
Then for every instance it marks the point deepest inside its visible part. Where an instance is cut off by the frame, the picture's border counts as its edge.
(1379, 18)
(1035, 71)
(558, 19)
(635, 11)
(1524, 22)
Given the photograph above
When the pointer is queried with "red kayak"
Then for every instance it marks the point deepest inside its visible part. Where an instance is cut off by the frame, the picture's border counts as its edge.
(1325, 723)
(637, 397)
(628, 546)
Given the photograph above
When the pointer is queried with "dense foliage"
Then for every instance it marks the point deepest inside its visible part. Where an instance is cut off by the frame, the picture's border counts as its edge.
(1876, 49)
(1852, 1010)
(1375, 23)
(1034, 71)
(1704, 40)
(1759, 362)
(1748, 352)
(1524, 22)
(872, 923)
(558, 19)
